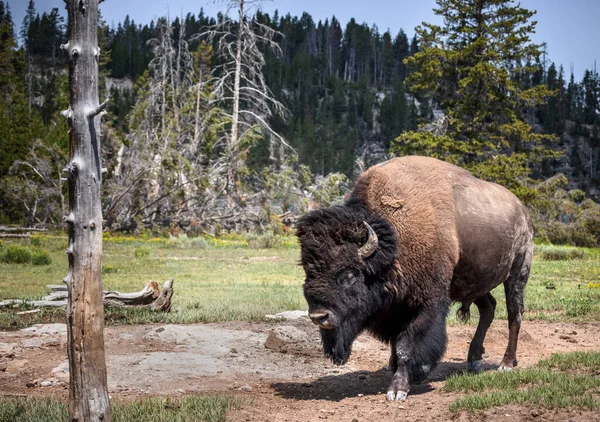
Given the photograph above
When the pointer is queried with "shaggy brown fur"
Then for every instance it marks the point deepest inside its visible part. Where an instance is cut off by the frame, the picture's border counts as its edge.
(444, 235)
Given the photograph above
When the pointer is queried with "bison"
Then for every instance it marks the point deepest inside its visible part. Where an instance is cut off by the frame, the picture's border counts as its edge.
(415, 234)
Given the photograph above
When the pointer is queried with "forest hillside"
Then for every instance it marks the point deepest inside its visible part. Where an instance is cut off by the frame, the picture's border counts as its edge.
(243, 122)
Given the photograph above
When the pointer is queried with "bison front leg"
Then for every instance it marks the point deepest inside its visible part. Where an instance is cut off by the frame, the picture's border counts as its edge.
(400, 386)
(417, 350)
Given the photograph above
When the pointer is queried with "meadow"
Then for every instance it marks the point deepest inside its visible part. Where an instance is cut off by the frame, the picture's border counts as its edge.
(243, 278)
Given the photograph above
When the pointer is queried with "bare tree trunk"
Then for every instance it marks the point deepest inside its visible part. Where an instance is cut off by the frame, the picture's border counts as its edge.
(197, 118)
(236, 104)
(177, 75)
(29, 79)
(88, 392)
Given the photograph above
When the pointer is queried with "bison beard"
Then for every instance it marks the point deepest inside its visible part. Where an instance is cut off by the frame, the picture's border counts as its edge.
(337, 344)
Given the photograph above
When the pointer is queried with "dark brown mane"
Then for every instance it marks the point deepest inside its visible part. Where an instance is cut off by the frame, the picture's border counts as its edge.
(323, 229)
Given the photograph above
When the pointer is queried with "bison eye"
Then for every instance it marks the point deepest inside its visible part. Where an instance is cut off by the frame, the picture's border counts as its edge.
(346, 277)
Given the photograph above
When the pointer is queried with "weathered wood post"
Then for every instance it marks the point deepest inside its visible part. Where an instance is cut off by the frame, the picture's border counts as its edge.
(88, 392)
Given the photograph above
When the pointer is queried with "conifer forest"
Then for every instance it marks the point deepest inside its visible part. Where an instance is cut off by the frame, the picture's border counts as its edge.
(243, 121)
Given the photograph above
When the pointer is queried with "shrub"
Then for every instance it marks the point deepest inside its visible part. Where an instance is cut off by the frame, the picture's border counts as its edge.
(141, 252)
(557, 233)
(199, 243)
(40, 257)
(109, 269)
(1, 246)
(559, 253)
(17, 255)
(36, 241)
(178, 241)
(264, 241)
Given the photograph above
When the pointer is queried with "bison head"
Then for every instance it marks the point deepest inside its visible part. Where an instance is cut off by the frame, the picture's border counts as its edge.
(347, 255)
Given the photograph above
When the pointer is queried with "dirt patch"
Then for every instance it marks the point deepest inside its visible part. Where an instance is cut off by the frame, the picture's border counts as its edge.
(279, 367)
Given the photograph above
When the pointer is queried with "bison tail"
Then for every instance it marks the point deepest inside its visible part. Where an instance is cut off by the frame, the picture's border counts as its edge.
(464, 312)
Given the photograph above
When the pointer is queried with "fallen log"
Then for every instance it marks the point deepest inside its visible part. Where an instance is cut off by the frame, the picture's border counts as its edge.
(32, 311)
(163, 302)
(21, 229)
(149, 297)
(144, 297)
(16, 236)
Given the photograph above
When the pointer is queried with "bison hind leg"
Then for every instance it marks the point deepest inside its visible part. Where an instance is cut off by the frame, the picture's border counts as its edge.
(464, 312)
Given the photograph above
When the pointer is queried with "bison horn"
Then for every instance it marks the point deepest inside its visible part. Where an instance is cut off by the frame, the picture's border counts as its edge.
(370, 247)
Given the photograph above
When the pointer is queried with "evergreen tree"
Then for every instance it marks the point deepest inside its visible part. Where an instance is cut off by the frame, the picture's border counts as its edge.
(27, 42)
(401, 52)
(469, 65)
(19, 126)
(6, 19)
(591, 97)
(551, 113)
(26, 35)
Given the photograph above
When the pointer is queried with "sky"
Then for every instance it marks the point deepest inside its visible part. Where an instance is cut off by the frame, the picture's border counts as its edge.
(570, 28)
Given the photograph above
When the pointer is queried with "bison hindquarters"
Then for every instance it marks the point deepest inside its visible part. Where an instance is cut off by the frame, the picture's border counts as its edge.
(418, 349)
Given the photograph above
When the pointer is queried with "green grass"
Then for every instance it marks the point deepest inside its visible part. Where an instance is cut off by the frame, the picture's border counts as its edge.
(573, 361)
(222, 282)
(547, 385)
(188, 409)
(558, 290)
(226, 279)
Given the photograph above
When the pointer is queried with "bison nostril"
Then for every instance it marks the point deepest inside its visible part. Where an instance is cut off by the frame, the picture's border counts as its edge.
(321, 319)
(318, 317)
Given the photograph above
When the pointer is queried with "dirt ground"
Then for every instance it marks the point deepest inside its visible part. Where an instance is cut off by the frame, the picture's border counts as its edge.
(278, 369)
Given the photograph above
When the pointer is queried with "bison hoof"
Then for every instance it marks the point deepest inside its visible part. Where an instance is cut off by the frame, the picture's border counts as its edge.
(397, 396)
(475, 366)
(507, 365)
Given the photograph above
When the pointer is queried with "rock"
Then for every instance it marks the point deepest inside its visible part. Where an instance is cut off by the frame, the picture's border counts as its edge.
(62, 370)
(245, 388)
(8, 350)
(177, 334)
(46, 383)
(46, 329)
(286, 338)
(289, 315)
(39, 341)
(16, 366)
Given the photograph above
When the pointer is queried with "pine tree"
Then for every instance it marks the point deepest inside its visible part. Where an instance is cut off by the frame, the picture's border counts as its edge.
(401, 52)
(27, 42)
(591, 97)
(6, 19)
(469, 65)
(550, 111)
